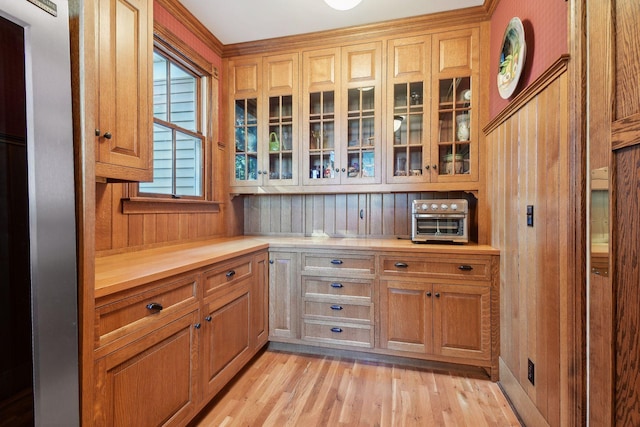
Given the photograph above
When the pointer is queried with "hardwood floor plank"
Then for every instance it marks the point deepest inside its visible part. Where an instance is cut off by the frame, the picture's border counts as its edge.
(284, 389)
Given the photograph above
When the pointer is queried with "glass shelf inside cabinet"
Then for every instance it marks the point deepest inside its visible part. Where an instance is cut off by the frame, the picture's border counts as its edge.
(361, 132)
(321, 142)
(280, 137)
(454, 125)
(408, 118)
(246, 139)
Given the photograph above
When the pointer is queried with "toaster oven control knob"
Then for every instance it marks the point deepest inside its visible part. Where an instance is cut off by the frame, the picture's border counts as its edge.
(424, 206)
(454, 206)
(444, 207)
(434, 207)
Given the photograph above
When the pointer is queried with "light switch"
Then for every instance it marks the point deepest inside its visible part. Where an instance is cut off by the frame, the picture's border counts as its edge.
(530, 215)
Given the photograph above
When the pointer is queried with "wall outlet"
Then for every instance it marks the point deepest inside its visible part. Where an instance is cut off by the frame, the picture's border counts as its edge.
(531, 372)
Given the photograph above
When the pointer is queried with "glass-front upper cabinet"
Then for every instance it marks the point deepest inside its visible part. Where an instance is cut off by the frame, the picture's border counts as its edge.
(280, 85)
(343, 115)
(455, 135)
(246, 115)
(408, 108)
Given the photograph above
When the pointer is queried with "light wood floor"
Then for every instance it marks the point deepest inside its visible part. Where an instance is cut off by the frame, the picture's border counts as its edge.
(284, 389)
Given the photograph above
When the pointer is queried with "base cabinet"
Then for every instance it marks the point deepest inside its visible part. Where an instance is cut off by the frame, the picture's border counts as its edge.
(164, 349)
(151, 381)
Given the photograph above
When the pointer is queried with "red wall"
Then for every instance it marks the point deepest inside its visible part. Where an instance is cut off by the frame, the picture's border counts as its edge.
(545, 26)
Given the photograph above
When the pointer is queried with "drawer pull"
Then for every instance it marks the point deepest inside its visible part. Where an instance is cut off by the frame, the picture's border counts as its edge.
(231, 273)
(401, 265)
(465, 268)
(338, 330)
(208, 318)
(336, 261)
(197, 326)
(428, 293)
(336, 285)
(154, 306)
(336, 307)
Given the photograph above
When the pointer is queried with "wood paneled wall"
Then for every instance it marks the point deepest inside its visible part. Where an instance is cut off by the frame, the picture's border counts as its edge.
(118, 232)
(339, 215)
(529, 156)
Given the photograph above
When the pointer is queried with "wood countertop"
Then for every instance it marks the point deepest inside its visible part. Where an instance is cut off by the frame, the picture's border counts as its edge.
(115, 273)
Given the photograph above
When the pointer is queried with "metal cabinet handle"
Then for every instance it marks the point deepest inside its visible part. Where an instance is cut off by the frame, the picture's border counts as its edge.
(437, 294)
(429, 293)
(208, 318)
(435, 167)
(231, 273)
(465, 268)
(336, 307)
(155, 306)
(336, 285)
(336, 261)
(401, 265)
(271, 261)
(107, 135)
(197, 326)
(426, 167)
(336, 330)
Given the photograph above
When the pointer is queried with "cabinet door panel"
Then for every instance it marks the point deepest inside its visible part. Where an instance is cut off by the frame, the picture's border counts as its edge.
(455, 51)
(462, 323)
(405, 317)
(124, 90)
(260, 303)
(151, 381)
(283, 296)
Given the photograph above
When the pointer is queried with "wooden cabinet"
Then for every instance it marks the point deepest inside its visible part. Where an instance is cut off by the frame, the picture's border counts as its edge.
(284, 278)
(124, 68)
(164, 349)
(342, 110)
(147, 355)
(264, 103)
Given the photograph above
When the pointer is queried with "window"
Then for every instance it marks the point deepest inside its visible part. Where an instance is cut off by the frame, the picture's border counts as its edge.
(178, 134)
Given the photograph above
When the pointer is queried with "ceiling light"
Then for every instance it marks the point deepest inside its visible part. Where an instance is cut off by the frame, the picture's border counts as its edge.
(342, 4)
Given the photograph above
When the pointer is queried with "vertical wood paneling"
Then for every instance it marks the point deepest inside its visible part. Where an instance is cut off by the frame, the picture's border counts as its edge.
(529, 153)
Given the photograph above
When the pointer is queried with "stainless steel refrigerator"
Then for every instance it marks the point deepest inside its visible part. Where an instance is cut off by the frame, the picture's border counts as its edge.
(39, 375)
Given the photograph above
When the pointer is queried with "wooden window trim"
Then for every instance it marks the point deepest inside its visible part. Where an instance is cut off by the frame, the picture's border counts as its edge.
(146, 205)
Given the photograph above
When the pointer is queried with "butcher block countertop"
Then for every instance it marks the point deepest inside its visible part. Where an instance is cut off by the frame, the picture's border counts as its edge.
(115, 273)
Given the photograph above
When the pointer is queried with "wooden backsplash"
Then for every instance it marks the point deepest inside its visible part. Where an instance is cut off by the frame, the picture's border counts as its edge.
(337, 215)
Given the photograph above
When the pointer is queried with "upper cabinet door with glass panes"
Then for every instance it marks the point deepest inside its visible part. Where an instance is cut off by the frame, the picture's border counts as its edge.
(178, 134)
(456, 98)
(408, 139)
(245, 77)
(279, 164)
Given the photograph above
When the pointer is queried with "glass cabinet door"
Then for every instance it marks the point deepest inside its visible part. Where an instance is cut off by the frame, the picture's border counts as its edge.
(454, 127)
(280, 138)
(321, 144)
(361, 133)
(246, 139)
(408, 119)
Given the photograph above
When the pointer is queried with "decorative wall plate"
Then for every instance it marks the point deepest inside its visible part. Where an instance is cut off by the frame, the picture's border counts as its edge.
(512, 58)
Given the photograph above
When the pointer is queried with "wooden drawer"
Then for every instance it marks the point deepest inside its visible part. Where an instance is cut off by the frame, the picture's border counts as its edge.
(313, 286)
(117, 316)
(339, 311)
(451, 266)
(360, 263)
(338, 333)
(220, 280)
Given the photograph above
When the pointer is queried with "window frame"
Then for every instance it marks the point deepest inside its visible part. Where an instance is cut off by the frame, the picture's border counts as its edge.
(136, 202)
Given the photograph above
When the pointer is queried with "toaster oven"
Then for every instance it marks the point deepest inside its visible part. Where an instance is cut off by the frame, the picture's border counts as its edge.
(440, 220)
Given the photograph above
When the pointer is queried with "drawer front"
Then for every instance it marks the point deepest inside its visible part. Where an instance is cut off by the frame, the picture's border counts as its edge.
(219, 280)
(120, 317)
(457, 267)
(338, 333)
(336, 310)
(345, 262)
(339, 287)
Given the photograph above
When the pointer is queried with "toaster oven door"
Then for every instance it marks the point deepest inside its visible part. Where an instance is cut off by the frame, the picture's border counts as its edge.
(440, 227)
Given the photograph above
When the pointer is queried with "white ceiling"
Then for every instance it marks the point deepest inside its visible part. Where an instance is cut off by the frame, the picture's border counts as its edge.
(237, 21)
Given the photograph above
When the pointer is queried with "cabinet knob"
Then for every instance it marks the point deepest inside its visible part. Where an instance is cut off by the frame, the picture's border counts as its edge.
(344, 170)
(434, 167)
(208, 318)
(230, 273)
(154, 306)
(437, 294)
(271, 261)
(429, 293)
(426, 167)
(197, 326)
